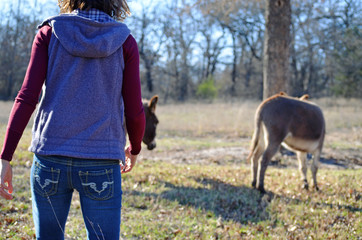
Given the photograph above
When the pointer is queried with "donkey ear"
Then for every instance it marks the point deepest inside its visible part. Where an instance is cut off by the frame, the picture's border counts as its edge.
(283, 94)
(152, 103)
(304, 97)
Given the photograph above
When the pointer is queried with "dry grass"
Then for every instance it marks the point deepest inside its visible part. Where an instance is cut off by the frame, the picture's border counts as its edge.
(221, 120)
(235, 120)
(5, 108)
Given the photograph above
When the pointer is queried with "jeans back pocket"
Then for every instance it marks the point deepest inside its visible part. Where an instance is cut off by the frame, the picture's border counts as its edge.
(98, 185)
(45, 179)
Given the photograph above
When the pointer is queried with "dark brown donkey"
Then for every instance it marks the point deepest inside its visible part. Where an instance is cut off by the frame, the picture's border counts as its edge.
(149, 137)
(295, 123)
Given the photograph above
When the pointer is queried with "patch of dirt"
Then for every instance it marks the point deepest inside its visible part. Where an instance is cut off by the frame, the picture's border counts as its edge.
(221, 155)
(330, 159)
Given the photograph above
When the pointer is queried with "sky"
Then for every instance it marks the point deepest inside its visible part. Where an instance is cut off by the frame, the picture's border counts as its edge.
(135, 5)
(48, 8)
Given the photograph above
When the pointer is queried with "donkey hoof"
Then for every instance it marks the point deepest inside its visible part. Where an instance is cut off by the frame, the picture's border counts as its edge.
(305, 186)
(253, 184)
(261, 190)
(316, 188)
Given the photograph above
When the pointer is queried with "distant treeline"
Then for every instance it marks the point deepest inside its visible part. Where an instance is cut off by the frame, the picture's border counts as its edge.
(214, 48)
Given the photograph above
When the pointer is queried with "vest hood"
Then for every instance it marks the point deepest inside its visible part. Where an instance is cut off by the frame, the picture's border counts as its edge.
(87, 38)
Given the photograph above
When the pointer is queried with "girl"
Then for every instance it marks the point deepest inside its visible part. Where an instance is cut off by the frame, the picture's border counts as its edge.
(88, 64)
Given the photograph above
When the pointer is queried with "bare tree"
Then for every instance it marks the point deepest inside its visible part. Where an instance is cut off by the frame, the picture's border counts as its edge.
(16, 40)
(243, 22)
(212, 44)
(151, 38)
(324, 48)
(181, 32)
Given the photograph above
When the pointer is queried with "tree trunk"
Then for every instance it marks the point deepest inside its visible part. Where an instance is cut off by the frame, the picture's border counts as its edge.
(233, 71)
(184, 79)
(148, 66)
(276, 47)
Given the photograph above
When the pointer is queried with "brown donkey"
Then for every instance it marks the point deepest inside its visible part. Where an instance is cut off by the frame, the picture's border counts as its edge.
(295, 123)
(149, 137)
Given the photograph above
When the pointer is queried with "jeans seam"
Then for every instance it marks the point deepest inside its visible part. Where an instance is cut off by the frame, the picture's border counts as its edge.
(69, 176)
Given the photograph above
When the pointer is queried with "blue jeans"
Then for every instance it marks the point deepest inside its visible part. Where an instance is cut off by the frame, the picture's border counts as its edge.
(53, 180)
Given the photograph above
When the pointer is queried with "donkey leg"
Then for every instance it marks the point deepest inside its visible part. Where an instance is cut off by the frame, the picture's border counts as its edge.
(270, 151)
(254, 163)
(302, 156)
(314, 167)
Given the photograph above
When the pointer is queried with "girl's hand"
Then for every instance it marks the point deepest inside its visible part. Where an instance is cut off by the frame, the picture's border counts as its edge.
(6, 178)
(130, 161)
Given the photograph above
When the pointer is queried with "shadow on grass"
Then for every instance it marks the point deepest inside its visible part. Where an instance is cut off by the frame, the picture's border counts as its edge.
(338, 162)
(237, 203)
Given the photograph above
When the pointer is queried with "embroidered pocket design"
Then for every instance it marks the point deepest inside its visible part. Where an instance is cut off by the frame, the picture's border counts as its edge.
(45, 180)
(93, 186)
(98, 185)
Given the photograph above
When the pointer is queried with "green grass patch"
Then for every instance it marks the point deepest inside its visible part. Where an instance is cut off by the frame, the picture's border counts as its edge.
(343, 145)
(203, 202)
(168, 201)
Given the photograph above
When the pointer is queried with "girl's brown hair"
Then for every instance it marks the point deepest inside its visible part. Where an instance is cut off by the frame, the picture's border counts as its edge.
(118, 9)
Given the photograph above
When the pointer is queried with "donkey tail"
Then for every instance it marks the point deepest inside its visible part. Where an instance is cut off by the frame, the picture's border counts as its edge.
(256, 135)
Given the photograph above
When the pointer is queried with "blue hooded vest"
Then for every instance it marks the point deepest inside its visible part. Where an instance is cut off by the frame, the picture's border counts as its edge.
(81, 112)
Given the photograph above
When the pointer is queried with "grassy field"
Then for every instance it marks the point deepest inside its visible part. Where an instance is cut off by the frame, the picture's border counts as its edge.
(175, 193)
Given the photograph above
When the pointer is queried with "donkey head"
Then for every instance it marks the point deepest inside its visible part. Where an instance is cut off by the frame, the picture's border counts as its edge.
(149, 137)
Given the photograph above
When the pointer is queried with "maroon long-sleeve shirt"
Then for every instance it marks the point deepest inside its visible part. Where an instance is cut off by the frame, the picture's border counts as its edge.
(28, 96)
